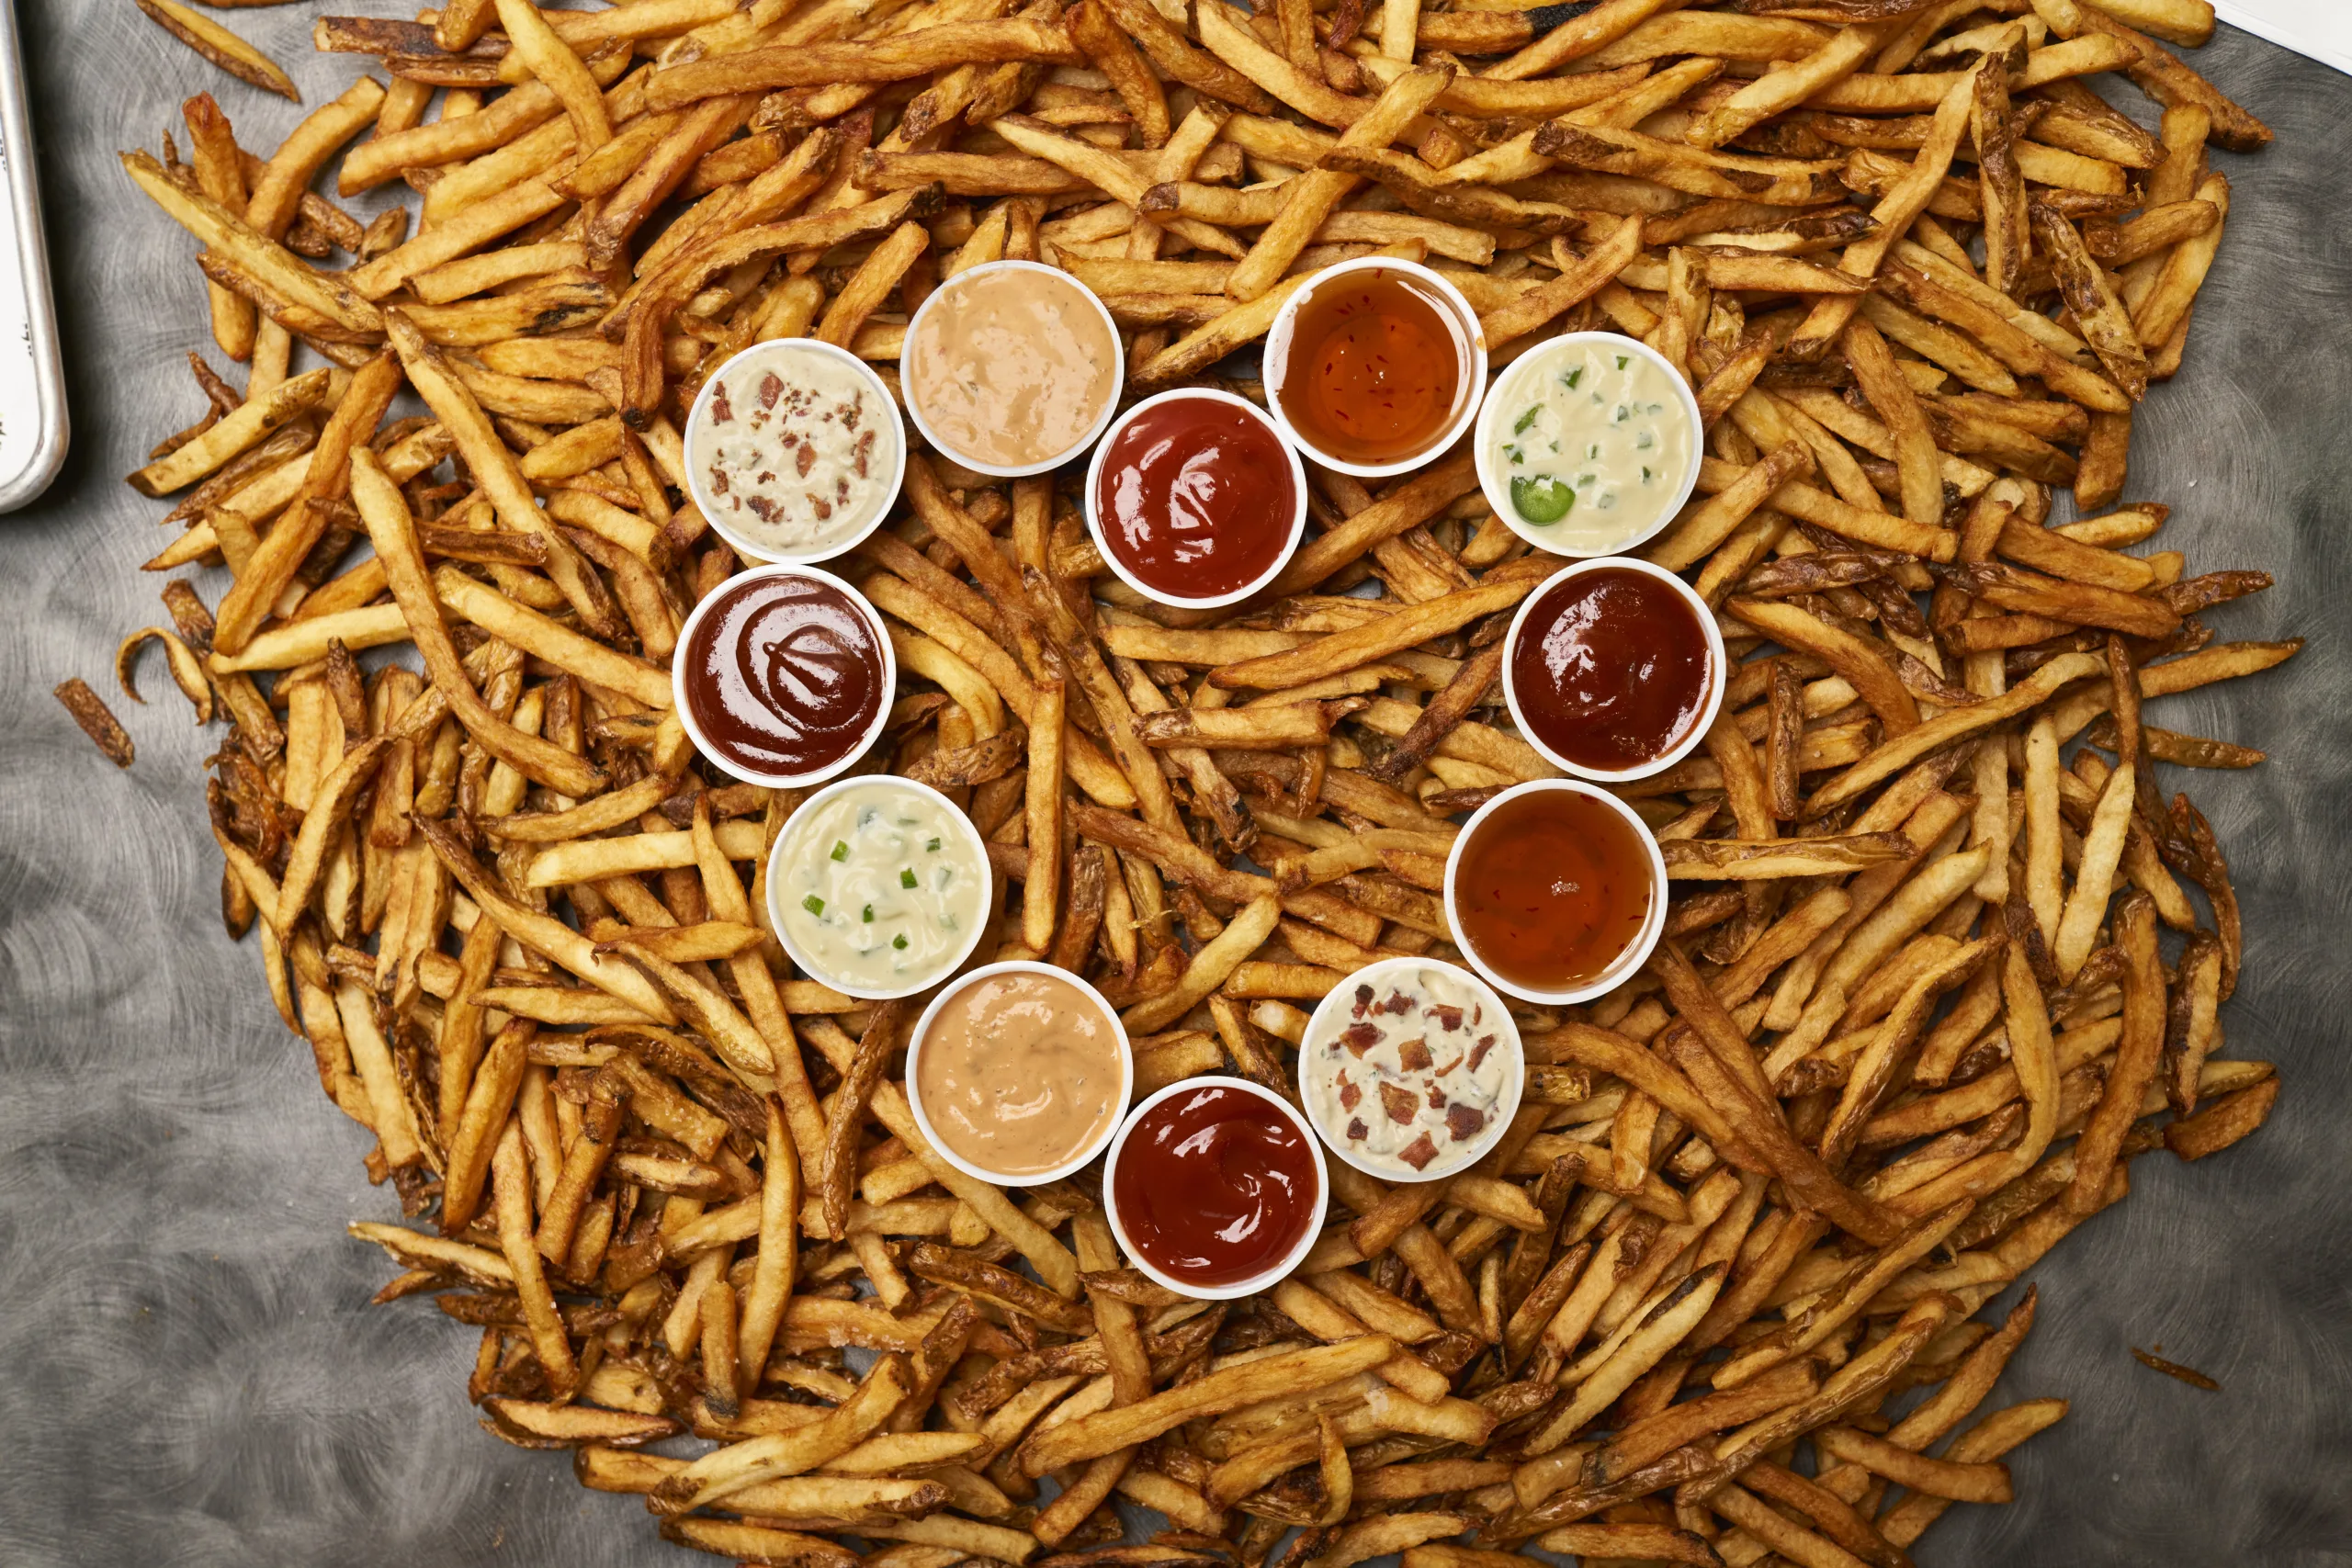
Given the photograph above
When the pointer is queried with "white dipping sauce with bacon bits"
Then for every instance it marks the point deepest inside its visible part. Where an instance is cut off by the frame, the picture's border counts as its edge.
(793, 449)
(1409, 1068)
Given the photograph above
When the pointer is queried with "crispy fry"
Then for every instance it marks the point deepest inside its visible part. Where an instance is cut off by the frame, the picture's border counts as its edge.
(1293, 1372)
(221, 47)
(98, 721)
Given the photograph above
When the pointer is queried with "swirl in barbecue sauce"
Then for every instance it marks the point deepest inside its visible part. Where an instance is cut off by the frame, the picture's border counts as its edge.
(783, 675)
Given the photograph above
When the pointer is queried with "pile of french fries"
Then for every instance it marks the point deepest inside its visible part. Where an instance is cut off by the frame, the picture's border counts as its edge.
(1712, 1299)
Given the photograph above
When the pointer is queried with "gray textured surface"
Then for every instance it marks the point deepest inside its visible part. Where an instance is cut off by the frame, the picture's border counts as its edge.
(189, 1374)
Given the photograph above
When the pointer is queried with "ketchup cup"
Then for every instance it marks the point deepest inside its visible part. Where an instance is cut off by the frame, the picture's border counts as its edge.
(1293, 523)
(1314, 1211)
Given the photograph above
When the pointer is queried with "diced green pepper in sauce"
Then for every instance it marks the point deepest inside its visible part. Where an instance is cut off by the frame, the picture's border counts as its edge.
(1540, 501)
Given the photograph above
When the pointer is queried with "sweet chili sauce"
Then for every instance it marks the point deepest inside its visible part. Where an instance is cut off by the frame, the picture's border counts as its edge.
(1375, 371)
(1552, 889)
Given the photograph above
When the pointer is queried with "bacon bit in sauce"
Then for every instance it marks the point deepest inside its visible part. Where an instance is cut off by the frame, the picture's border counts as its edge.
(794, 440)
(1409, 1041)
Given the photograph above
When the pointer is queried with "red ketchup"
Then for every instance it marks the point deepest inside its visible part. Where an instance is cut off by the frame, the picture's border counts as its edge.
(783, 674)
(1195, 496)
(1611, 668)
(1214, 1186)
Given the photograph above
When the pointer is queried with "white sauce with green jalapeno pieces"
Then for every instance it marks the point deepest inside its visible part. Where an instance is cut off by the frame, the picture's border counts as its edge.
(881, 889)
(1592, 442)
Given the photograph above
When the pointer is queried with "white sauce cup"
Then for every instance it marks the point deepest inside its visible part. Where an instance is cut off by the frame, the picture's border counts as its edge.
(698, 483)
(1333, 1015)
(678, 680)
(1290, 1260)
(1637, 953)
(1718, 668)
(1093, 1145)
(1497, 484)
(1447, 297)
(959, 824)
(911, 358)
(1298, 506)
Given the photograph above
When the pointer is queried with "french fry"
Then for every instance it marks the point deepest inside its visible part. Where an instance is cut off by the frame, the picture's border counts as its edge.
(221, 47)
(1273, 1377)
(730, 1469)
(1309, 201)
(909, 54)
(247, 428)
(392, 530)
(1041, 893)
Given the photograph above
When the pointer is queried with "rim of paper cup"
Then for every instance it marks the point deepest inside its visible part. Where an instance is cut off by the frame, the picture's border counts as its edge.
(1333, 1007)
(1094, 1145)
(1267, 1278)
(816, 971)
(1012, 470)
(1718, 670)
(1475, 374)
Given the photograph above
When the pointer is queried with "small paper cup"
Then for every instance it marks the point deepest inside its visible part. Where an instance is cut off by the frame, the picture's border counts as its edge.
(1629, 962)
(678, 682)
(911, 358)
(1449, 300)
(1496, 483)
(1332, 1016)
(699, 482)
(814, 968)
(1298, 508)
(1256, 1282)
(1718, 670)
(1093, 1147)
